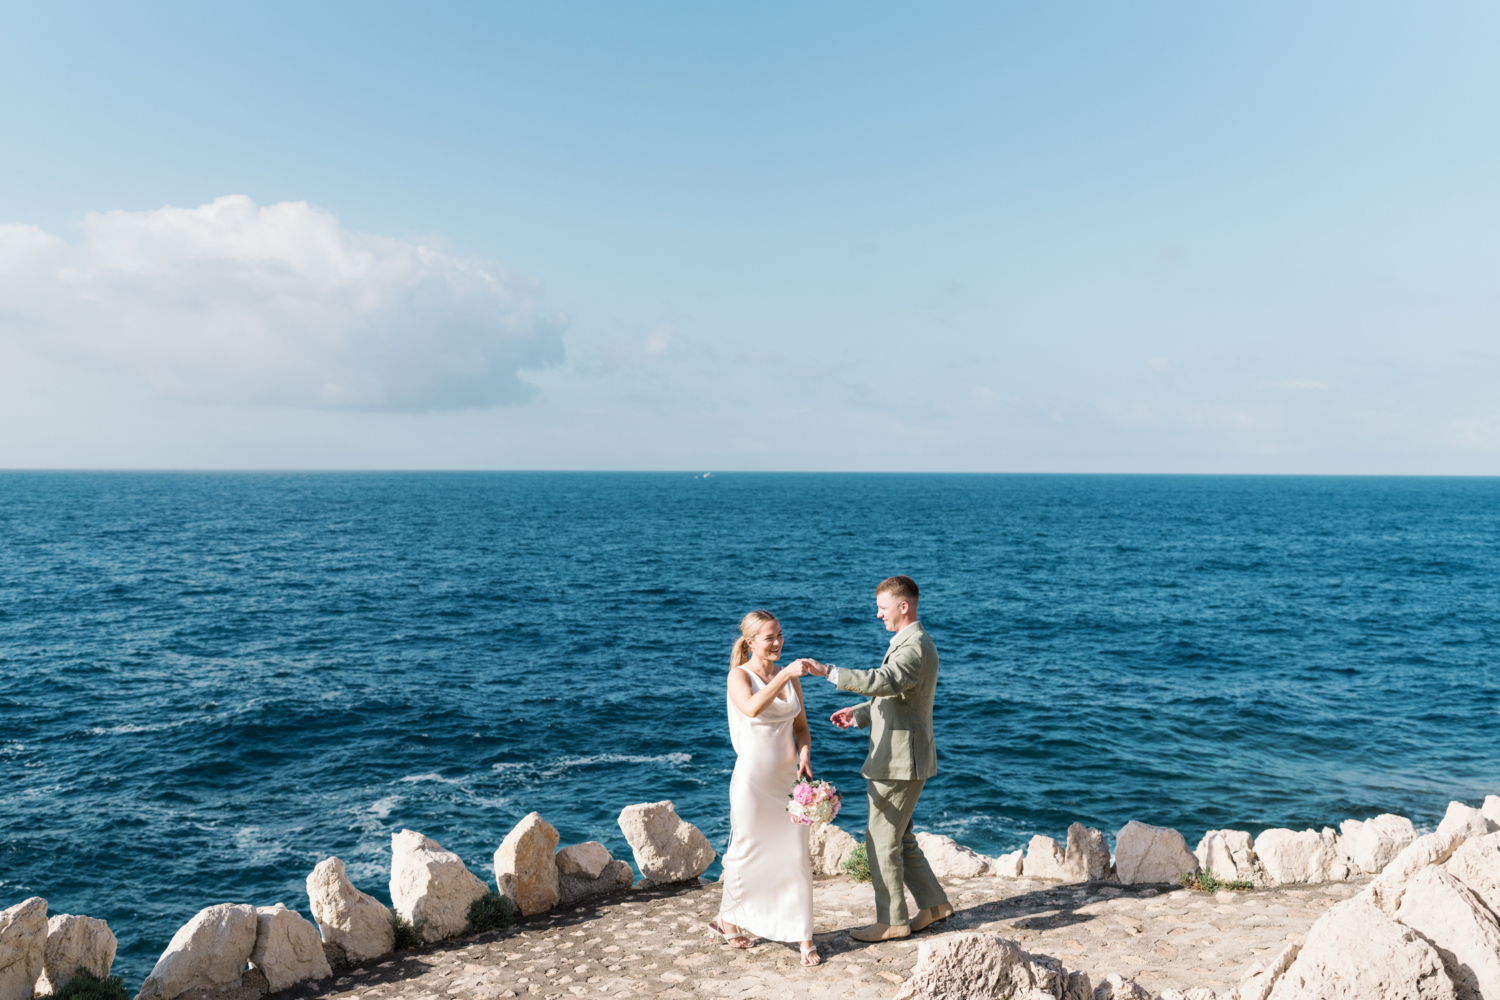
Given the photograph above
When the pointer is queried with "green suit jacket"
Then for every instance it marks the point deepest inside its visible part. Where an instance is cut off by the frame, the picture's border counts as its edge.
(899, 712)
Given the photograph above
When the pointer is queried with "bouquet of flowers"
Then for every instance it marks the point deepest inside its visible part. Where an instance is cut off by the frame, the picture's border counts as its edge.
(813, 802)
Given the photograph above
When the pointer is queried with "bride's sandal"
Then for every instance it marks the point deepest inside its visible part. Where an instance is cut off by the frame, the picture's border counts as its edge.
(736, 937)
(811, 955)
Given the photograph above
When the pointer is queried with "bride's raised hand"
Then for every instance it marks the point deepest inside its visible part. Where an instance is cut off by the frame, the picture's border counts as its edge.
(797, 668)
(804, 763)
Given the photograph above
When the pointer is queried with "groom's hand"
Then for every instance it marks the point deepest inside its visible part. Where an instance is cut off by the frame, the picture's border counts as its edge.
(816, 669)
(843, 718)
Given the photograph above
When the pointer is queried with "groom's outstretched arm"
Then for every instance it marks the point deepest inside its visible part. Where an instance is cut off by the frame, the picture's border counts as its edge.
(895, 676)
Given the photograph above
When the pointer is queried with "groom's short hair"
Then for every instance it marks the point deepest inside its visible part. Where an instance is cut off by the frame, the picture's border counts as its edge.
(902, 588)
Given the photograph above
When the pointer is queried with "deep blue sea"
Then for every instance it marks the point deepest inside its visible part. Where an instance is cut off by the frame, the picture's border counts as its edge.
(209, 682)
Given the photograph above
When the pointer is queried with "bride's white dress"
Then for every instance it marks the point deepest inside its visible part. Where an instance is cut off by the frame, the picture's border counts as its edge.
(767, 872)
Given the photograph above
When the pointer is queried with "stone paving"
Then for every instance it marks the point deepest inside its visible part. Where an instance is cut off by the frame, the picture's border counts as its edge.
(655, 942)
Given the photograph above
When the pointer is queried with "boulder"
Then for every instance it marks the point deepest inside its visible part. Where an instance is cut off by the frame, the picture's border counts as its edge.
(1380, 840)
(830, 847)
(287, 948)
(1230, 855)
(1145, 853)
(1008, 865)
(358, 923)
(1044, 858)
(1118, 987)
(1290, 858)
(1466, 934)
(616, 876)
(950, 859)
(1197, 993)
(1491, 809)
(1258, 981)
(75, 943)
(1477, 865)
(23, 947)
(1086, 858)
(1466, 820)
(430, 887)
(586, 860)
(525, 866)
(207, 952)
(1384, 891)
(1357, 952)
(972, 966)
(666, 848)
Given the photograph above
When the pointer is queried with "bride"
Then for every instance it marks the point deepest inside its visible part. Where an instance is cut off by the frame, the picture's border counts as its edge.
(767, 871)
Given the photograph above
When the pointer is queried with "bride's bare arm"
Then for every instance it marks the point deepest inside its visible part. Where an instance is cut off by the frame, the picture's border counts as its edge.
(802, 735)
(752, 704)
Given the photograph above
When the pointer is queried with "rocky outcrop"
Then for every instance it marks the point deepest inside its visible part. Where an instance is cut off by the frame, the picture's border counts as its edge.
(1462, 929)
(950, 859)
(287, 948)
(830, 847)
(1384, 891)
(207, 952)
(1118, 987)
(1476, 863)
(1380, 840)
(1008, 865)
(666, 847)
(614, 877)
(23, 944)
(586, 860)
(1230, 855)
(525, 866)
(1491, 809)
(1044, 858)
(75, 943)
(973, 966)
(1145, 853)
(1307, 856)
(431, 887)
(1466, 820)
(1356, 951)
(1086, 858)
(1257, 982)
(358, 923)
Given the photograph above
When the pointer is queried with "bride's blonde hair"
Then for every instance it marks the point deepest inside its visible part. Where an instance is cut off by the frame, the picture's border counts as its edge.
(750, 627)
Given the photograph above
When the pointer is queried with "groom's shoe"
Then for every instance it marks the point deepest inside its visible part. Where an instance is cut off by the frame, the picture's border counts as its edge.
(931, 915)
(881, 932)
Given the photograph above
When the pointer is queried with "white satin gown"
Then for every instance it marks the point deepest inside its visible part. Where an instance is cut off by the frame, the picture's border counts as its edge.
(768, 887)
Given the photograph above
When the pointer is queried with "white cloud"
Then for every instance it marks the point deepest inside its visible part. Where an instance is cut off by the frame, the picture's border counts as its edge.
(239, 303)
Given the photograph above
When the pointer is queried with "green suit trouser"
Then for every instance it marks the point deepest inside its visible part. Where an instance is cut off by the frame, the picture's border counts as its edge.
(896, 862)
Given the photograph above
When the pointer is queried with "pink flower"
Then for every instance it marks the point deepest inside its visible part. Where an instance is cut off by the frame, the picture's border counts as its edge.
(805, 794)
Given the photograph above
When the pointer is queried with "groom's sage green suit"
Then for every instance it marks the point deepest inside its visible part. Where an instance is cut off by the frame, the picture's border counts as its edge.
(902, 757)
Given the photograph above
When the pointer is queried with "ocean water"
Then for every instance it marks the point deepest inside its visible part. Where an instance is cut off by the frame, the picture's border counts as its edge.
(209, 682)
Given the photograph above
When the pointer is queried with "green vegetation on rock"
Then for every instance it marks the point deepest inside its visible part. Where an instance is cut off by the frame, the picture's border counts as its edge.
(407, 935)
(1206, 880)
(86, 986)
(857, 866)
(488, 913)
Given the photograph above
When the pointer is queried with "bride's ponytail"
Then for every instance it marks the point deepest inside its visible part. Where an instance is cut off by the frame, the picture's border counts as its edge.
(750, 627)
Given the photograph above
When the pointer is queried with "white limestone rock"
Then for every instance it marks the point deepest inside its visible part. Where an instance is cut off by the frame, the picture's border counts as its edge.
(1454, 920)
(75, 943)
(1086, 858)
(1044, 858)
(1356, 952)
(830, 847)
(1258, 981)
(207, 952)
(1306, 856)
(1384, 890)
(1491, 809)
(287, 948)
(586, 860)
(1197, 993)
(1118, 987)
(1477, 865)
(526, 865)
(1007, 865)
(950, 859)
(616, 876)
(1380, 840)
(666, 847)
(972, 966)
(1230, 855)
(23, 947)
(430, 887)
(1467, 820)
(355, 921)
(1145, 853)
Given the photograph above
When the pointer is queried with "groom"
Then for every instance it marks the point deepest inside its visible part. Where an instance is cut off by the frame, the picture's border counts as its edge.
(902, 757)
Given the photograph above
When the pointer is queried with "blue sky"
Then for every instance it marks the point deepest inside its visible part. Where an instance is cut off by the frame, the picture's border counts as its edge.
(992, 237)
